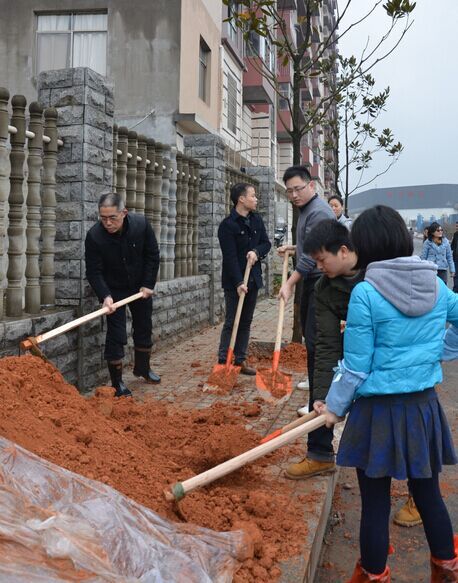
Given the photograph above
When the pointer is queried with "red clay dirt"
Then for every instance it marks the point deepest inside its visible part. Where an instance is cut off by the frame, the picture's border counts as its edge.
(293, 357)
(142, 448)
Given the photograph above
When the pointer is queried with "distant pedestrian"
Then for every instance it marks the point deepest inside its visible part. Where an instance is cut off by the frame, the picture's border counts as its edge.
(243, 239)
(437, 249)
(396, 427)
(336, 203)
(454, 248)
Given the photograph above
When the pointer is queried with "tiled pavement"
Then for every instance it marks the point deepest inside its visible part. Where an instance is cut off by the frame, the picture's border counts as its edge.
(185, 367)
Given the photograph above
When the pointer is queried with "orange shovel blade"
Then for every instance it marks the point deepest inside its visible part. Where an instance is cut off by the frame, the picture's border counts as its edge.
(273, 384)
(223, 376)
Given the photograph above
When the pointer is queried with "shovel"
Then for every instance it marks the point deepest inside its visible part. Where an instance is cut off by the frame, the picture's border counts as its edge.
(180, 489)
(31, 343)
(224, 376)
(273, 384)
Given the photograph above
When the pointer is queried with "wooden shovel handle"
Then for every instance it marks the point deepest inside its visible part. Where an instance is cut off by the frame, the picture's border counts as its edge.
(281, 310)
(26, 344)
(238, 313)
(292, 425)
(180, 489)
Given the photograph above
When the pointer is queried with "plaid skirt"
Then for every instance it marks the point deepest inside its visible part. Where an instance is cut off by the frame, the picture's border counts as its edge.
(402, 436)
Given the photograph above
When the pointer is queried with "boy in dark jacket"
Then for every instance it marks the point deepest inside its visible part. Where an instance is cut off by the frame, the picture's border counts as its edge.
(329, 245)
(243, 240)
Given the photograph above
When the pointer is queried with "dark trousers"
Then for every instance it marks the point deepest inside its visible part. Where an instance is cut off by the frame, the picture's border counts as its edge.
(231, 298)
(442, 273)
(375, 518)
(319, 443)
(116, 339)
(455, 279)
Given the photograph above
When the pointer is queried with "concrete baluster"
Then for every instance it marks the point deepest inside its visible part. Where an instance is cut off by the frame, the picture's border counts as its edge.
(5, 169)
(227, 190)
(190, 219)
(131, 186)
(149, 184)
(141, 175)
(184, 217)
(195, 231)
(179, 218)
(48, 210)
(157, 192)
(165, 208)
(121, 171)
(33, 232)
(16, 247)
(172, 213)
(115, 157)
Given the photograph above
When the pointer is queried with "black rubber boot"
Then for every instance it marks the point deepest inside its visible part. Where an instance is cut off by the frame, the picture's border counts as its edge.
(142, 368)
(115, 370)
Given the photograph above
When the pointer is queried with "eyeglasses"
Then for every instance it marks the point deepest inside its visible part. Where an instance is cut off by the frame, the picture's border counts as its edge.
(110, 218)
(290, 191)
(439, 229)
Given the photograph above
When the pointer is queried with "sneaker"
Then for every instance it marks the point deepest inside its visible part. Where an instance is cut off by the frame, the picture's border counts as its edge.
(308, 468)
(303, 384)
(408, 514)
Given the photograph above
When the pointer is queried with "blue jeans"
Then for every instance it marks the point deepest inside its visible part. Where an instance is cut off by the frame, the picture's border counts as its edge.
(243, 334)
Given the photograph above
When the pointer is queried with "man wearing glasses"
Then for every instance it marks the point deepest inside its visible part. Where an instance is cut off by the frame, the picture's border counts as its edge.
(312, 210)
(122, 258)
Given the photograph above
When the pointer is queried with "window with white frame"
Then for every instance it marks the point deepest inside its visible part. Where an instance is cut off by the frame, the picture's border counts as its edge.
(71, 40)
(204, 71)
(232, 10)
(285, 96)
(231, 103)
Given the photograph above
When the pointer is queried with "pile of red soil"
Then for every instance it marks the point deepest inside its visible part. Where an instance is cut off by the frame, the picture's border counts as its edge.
(141, 448)
(293, 357)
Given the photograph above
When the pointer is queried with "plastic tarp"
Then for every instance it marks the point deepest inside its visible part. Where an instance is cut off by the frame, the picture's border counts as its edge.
(59, 526)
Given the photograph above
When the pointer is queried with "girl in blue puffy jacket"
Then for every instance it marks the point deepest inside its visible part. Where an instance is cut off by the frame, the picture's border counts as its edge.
(436, 248)
(396, 428)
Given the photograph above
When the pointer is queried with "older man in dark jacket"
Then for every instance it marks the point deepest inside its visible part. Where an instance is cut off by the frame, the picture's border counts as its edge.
(243, 240)
(122, 258)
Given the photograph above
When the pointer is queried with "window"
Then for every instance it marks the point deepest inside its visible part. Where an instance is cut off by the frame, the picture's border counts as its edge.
(72, 40)
(232, 11)
(204, 71)
(286, 94)
(232, 103)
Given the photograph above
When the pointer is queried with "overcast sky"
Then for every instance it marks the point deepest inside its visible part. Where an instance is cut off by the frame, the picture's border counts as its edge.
(423, 77)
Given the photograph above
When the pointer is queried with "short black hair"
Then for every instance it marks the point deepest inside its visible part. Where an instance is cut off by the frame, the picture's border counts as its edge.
(329, 235)
(432, 229)
(239, 190)
(378, 234)
(299, 170)
(336, 197)
(112, 199)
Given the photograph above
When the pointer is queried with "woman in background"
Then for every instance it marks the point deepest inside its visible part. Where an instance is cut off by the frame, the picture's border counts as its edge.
(437, 249)
(336, 203)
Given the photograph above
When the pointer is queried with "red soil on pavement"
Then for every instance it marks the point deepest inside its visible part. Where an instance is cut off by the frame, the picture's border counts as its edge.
(142, 448)
(293, 357)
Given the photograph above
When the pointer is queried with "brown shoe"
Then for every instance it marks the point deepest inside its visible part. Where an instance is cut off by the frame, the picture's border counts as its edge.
(308, 468)
(245, 369)
(408, 514)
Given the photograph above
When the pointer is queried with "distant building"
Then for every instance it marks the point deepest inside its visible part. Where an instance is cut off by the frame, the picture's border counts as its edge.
(427, 200)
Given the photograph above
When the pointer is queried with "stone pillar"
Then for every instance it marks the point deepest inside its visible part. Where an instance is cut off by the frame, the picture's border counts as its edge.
(141, 176)
(48, 209)
(121, 171)
(149, 183)
(266, 207)
(16, 201)
(33, 231)
(195, 223)
(157, 191)
(172, 215)
(85, 107)
(190, 225)
(184, 217)
(165, 186)
(5, 169)
(208, 150)
(179, 217)
(131, 187)
(115, 156)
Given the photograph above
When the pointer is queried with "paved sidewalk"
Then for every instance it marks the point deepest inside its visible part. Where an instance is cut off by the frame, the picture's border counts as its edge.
(185, 367)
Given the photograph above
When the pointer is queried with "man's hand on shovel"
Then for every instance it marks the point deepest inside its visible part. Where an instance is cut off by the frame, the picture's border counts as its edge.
(330, 417)
(109, 305)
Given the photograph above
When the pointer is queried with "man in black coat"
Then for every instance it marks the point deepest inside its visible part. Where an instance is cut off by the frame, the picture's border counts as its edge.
(243, 239)
(122, 258)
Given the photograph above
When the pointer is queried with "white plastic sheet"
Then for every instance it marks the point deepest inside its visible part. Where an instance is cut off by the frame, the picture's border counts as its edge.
(59, 526)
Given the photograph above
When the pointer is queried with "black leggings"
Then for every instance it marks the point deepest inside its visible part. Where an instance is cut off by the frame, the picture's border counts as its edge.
(375, 517)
